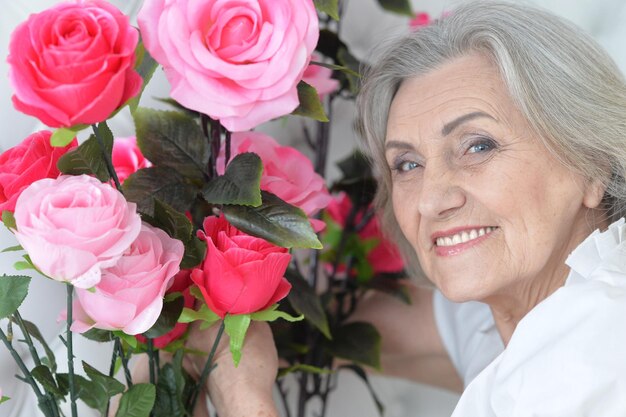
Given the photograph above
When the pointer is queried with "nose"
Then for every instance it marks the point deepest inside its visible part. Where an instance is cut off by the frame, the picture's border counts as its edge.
(441, 194)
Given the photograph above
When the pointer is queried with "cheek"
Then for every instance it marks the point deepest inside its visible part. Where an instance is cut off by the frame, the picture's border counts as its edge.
(405, 214)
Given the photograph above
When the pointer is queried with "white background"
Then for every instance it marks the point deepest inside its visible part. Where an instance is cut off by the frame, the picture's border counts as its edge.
(363, 26)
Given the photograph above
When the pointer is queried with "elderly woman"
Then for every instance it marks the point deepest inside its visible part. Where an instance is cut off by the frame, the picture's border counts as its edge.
(499, 134)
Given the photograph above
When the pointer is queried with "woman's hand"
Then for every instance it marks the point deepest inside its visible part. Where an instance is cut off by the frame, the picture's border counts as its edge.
(243, 391)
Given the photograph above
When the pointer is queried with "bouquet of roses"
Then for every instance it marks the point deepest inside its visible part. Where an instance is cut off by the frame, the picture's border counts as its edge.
(195, 219)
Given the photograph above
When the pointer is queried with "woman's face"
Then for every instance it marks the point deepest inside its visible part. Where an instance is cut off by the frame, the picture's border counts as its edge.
(488, 210)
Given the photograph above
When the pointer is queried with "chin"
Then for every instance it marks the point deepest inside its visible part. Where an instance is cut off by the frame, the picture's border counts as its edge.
(461, 289)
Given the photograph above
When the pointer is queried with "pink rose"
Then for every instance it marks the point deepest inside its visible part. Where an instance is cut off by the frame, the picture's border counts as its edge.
(127, 157)
(236, 61)
(320, 78)
(129, 297)
(31, 160)
(73, 63)
(286, 173)
(182, 284)
(74, 226)
(385, 257)
(241, 274)
(420, 20)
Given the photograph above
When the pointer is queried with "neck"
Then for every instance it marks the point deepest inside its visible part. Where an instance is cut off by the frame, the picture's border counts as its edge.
(511, 305)
(509, 309)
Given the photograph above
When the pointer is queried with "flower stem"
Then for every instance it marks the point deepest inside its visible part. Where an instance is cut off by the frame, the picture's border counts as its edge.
(227, 149)
(215, 143)
(29, 340)
(151, 365)
(150, 352)
(114, 357)
(28, 377)
(107, 158)
(208, 367)
(70, 352)
(120, 351)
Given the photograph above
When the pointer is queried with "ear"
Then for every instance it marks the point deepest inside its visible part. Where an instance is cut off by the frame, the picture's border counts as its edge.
(593, 194)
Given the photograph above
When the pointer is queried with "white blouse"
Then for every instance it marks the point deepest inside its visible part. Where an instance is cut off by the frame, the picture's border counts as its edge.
(567, 356)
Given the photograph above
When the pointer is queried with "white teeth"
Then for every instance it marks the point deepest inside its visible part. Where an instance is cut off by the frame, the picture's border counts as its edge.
(463, 237)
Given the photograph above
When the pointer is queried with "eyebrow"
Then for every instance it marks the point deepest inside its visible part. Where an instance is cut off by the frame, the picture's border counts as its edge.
(446, 130)
(450, 126)
(398, 144)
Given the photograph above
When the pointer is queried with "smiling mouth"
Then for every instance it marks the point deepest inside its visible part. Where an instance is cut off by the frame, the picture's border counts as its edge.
(464, 236)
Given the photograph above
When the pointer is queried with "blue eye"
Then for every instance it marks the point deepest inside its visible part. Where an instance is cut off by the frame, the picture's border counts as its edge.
(406, 166)
(482, 146)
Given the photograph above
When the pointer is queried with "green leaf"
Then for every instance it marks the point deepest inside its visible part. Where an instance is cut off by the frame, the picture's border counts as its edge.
(310, 103)
(99, 335)
(172, 140)
(145, 65)
(167, 319)
(346, 59)
(236, 327)
(301, 367)
(178, 226)
(175, 104)
(23, 266)
(195, 250)
(197, 294)
(137, 401)
(358, 342)
(100, 389)
(148, 184)
(84, 389)
(170, 389)
(272, 314)
(355, 165)
(34, 332)
(330, 7)
(275, 221)
(62, 137)
(88, 157)
(4, 399)
(402, 7)
(26, 264)
(240, 184)
(363, 375)
(304, 300)
(13, 291)
(357, 180)
(9, 220)
(203, 314)
(43, 375)
(12, 249)
(175, 223)
(128, 339)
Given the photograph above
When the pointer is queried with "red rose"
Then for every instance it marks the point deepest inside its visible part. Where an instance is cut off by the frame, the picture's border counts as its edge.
(385, 257)
(31, 160)
(241, 274)
(73, 63)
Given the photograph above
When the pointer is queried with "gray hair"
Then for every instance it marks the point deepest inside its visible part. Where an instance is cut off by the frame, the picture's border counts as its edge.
(567, 87)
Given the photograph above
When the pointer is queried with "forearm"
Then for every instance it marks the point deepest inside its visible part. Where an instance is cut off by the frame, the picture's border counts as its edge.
(243, 402)
(246, 390)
